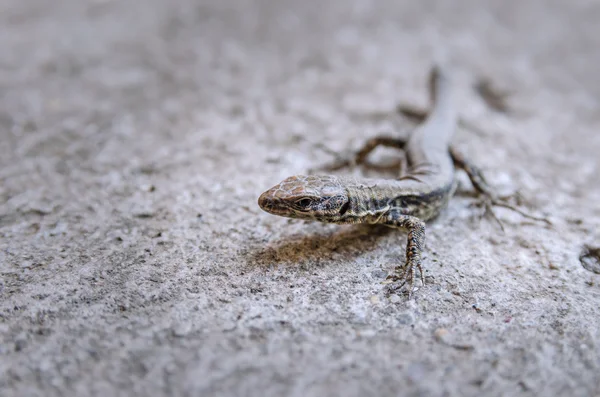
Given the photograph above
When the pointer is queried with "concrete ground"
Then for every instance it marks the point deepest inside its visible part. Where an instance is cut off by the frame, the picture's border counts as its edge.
(136, 137)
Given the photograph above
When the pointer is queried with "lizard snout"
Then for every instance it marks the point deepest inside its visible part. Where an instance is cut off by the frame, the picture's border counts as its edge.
(265, 201)
(269, 203)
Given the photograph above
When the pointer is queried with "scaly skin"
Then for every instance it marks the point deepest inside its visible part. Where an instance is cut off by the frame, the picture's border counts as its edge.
(406, 203)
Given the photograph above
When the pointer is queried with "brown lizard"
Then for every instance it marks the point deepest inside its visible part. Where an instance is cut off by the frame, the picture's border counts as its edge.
(417, 196)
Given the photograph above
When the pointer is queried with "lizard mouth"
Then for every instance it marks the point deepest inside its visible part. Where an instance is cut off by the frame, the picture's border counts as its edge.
(272, 205)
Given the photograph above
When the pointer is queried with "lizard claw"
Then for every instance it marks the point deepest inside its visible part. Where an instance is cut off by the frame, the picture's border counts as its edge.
(489, 201)
(488, 210)
(351, 159)
(346, 159)
(405, 275)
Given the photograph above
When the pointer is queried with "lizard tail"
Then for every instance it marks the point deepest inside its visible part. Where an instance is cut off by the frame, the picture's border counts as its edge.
(444, 114)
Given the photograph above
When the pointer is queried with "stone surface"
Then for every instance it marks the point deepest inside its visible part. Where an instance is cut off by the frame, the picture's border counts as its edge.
(136, 136)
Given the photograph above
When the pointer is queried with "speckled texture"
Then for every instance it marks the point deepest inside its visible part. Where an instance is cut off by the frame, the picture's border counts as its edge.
(137, 135)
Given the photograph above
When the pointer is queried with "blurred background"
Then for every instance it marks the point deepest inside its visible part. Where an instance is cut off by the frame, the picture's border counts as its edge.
(136, 136)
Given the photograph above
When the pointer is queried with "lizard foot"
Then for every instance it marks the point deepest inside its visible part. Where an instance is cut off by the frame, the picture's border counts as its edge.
(346, 159)
(489, 201)
(353, 159)
(404, 275)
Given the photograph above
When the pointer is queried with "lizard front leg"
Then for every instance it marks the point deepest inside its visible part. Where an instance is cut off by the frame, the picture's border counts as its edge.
(360, 156)
(414, 247)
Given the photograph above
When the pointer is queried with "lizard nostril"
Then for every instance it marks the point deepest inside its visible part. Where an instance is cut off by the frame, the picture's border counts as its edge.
(262, 200)
(265, 201)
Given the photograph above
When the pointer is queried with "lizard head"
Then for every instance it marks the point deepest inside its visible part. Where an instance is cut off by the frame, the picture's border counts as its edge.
(306, 197)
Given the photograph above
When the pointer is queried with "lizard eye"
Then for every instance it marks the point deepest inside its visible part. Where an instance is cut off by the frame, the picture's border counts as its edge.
(304, 202)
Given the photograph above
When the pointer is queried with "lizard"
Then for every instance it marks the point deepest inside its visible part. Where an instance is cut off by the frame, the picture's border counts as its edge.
(420, 193)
